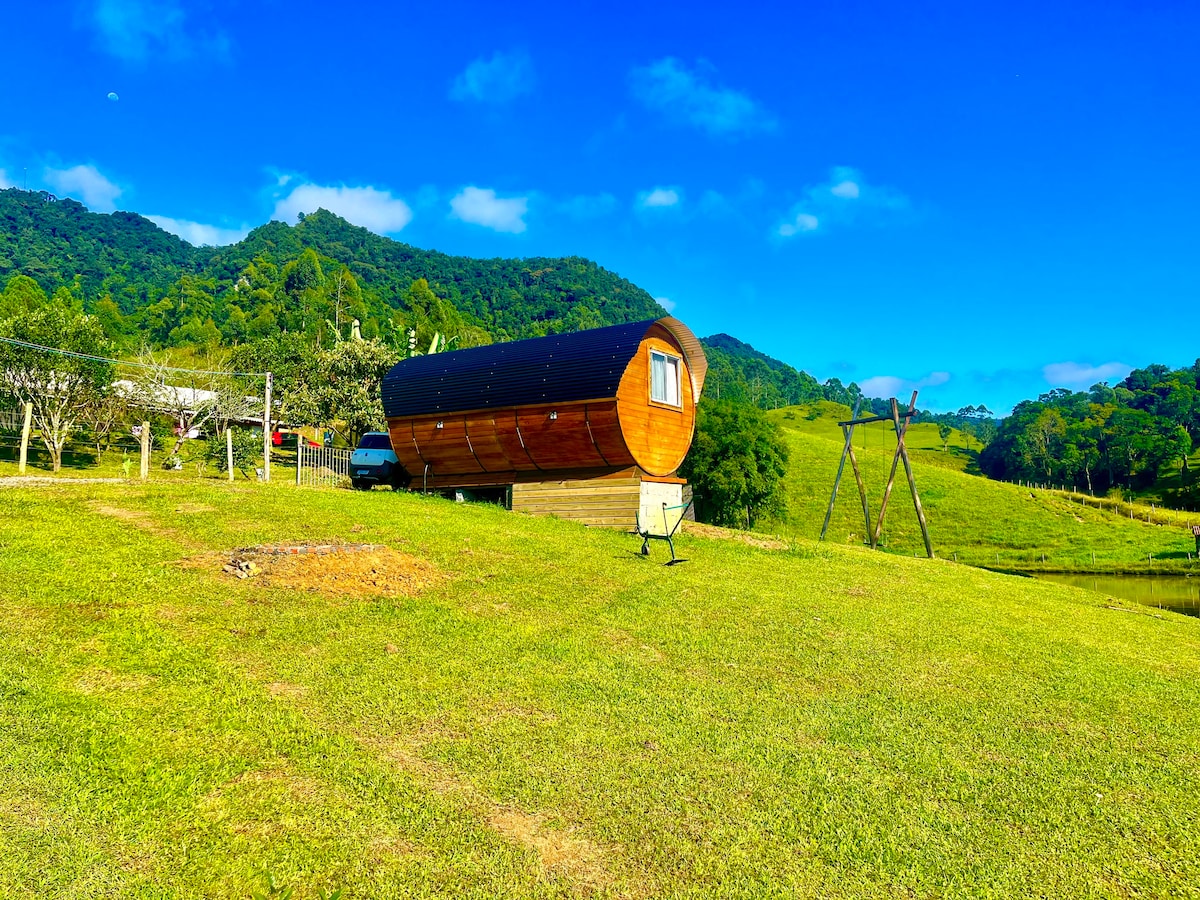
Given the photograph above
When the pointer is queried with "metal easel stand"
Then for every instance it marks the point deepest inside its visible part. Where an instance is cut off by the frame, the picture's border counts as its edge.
(668, 531)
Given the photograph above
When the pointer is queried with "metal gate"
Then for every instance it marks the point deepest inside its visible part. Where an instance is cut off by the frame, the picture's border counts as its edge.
(322, 466)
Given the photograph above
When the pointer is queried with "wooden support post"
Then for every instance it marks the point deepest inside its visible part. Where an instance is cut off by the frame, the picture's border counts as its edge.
(862, 491)
(841, 467)
(145, 472)
(887, 491)
(912, 484)
(267, 429)
(229, 452)
(25, 429)
(299, 456)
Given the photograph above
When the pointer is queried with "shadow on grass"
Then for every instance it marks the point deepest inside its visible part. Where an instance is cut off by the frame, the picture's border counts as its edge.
(972, 458)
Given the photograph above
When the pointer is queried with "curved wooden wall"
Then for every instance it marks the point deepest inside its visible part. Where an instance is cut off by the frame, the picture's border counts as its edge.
(513, 439)
(657, 435)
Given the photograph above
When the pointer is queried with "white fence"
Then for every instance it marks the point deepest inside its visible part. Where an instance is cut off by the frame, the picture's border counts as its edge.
(321, 466)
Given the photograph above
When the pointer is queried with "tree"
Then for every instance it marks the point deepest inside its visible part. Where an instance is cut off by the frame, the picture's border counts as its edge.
(21, 295)
(345, 389)
(303, 281)
(345, 296)
(1041, 444)
(100, 416)
(191, 398)
(59, 387)
(736, 464)
(944, 432)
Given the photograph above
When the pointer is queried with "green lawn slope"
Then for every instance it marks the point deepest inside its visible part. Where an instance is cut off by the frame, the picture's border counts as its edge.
(551, 715)
(971, 518)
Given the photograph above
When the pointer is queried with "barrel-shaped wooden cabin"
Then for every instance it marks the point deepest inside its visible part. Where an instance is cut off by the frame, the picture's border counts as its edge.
(589, 426)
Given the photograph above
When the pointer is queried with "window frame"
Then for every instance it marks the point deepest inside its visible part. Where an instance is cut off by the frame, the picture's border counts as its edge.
(678, 368)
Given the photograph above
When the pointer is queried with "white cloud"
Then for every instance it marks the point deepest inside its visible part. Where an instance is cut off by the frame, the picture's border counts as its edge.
(668, 305)
(690, 97)
(86, 184)
(500, 79)
(369, 207)
(660, 198)
(894, 386)
(481, 206)
(1071, 374)
(803, 222)
(198, 234)
(4, 182)
(846, 189)
(137, 30)
(844, 199)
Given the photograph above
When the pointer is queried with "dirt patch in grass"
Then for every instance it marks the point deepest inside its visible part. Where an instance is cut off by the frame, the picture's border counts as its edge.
(559, 852)
(729, 534)
(349, 572)
(105, 681)
(284, 689)
(374, 573)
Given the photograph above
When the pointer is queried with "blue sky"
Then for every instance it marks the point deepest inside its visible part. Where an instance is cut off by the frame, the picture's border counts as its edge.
(982, 200)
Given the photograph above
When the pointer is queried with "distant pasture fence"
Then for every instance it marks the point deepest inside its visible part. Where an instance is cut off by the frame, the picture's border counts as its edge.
(1150, 513)
(321, 466)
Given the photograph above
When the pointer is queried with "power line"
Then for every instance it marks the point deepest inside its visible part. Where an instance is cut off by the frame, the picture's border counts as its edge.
(123, 362)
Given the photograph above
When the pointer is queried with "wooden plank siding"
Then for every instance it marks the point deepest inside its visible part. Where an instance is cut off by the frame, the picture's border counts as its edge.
(521, 439)
(609, 503)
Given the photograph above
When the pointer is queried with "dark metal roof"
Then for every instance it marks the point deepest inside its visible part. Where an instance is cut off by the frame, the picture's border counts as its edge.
(582, 365)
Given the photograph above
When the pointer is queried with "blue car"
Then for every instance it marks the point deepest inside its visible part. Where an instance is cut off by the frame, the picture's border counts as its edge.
(373, 462)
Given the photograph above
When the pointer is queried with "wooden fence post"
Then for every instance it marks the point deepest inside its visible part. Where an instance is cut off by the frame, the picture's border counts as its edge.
(145, 451)
(229, 451)
(267, 430)
(25, 429)
(299, 456)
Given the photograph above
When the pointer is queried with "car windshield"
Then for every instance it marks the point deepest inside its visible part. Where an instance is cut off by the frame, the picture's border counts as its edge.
(375, 442)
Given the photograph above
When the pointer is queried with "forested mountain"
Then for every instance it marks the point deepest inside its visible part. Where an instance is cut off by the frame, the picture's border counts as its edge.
(1129, 436)
(59, 243)
(736, 371)
(312, 277)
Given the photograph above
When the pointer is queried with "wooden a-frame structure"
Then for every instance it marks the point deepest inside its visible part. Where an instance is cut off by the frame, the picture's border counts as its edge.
(900, 423)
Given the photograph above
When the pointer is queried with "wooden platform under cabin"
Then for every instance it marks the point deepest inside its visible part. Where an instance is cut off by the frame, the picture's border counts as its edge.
(602, 499)
(611, 501)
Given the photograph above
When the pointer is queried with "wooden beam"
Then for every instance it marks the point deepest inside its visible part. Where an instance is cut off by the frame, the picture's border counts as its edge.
(841, 467)
(887, 491)
(912, 484)
(912, 411)
(862, 491)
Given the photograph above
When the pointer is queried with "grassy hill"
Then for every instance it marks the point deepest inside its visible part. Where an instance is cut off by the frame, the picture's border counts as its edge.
(499, 706)
(984, 522)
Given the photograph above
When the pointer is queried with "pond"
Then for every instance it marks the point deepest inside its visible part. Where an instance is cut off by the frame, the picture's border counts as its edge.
(1177, 593)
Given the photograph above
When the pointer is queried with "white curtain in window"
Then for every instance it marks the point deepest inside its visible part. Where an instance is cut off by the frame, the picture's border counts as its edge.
(672, 375)
(658, 378)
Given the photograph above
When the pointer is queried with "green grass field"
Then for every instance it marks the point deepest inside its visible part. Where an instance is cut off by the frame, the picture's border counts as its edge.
(547, 714)
(979, 521)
